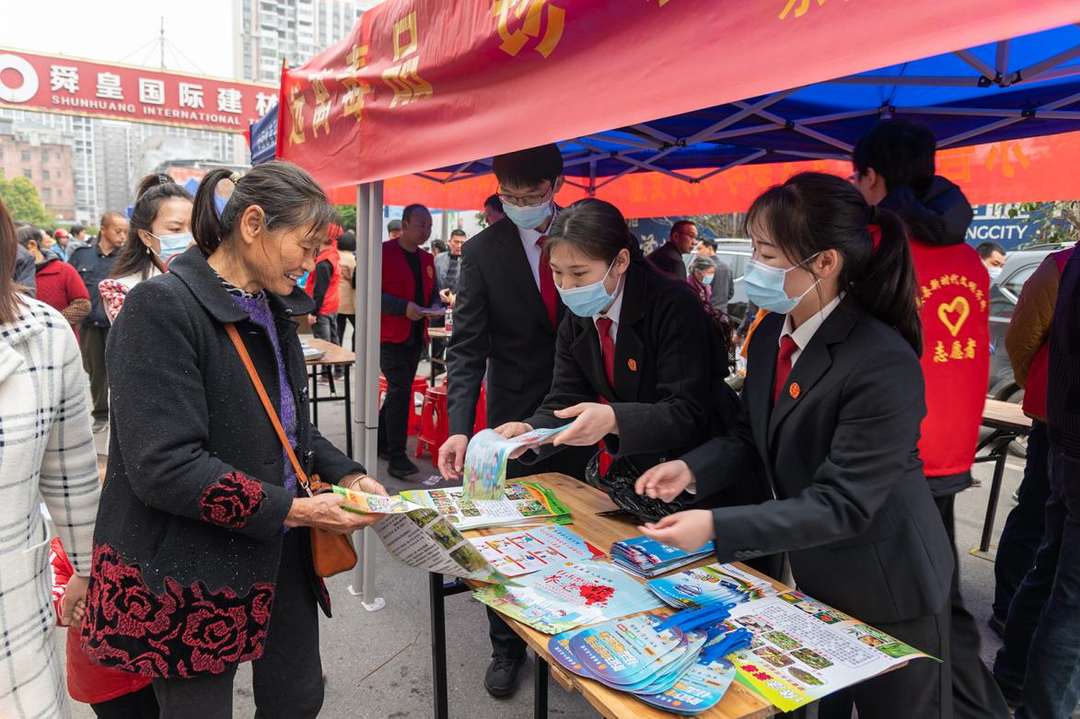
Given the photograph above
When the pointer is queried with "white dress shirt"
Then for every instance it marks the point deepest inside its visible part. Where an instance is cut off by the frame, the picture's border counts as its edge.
(805, 332)
(613, 315)
(532, 251)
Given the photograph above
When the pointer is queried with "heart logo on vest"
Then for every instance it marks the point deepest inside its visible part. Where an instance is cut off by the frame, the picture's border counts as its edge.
(954, 314)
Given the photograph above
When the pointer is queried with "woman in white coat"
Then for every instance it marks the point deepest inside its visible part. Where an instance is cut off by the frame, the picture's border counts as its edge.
(46, 453)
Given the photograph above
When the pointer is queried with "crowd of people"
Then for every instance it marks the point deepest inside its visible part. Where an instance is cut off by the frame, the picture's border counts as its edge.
(835, 469)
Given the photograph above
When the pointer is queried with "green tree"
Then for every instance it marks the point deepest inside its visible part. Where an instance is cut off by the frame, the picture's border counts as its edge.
(347, 214)
(1052, 221)
(22, 201)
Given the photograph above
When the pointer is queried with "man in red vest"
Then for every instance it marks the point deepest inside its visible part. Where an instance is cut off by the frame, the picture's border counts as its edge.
(409, 288)
(894, 169)
(323, 288)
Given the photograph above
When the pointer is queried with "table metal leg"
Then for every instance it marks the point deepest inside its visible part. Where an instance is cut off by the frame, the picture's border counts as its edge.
(995, 491)
(315, 396)
(348, 415)
(540, 688)
(438, 645)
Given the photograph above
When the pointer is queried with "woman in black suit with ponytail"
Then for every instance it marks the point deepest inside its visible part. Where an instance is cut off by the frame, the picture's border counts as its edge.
(830, 421)
(640, 361)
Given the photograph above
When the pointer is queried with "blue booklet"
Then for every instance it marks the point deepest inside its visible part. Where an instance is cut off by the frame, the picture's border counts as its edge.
(647, 558)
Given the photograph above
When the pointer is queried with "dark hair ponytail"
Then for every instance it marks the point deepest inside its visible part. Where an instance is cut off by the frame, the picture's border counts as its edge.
(284, 191)
(153, 191)
(813, 212)
(887, 287)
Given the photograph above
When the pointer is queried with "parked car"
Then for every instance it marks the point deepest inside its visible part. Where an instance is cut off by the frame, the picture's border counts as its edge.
(735, 253)
(1004, 293)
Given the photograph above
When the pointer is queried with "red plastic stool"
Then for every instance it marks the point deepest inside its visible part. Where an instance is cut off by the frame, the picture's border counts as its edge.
(481, 408)
(433, 425)
(419, 387)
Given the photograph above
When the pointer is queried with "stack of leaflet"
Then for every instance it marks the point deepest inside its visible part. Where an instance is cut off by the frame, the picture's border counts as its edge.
(647, 558)
(713, 584)
(676, 664)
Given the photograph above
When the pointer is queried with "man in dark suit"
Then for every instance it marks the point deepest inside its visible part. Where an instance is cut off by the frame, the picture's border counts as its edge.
(506, 315)
(668, 256)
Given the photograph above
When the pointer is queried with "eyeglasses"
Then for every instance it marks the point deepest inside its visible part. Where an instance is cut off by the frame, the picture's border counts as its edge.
(524, 200)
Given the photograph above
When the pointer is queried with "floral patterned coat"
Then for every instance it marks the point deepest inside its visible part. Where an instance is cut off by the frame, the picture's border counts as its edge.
(190, 524)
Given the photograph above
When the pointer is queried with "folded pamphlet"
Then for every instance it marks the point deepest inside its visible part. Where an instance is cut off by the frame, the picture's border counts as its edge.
(486, 458)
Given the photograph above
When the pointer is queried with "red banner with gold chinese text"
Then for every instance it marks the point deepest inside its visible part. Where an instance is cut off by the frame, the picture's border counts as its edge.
(421, 84)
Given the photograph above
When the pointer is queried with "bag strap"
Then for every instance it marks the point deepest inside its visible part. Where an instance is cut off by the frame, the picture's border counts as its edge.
(234, 335)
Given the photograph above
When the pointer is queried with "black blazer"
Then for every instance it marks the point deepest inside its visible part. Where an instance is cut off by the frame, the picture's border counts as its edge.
(669, 394)
(668, 258)
(501, 327)
(852, 505)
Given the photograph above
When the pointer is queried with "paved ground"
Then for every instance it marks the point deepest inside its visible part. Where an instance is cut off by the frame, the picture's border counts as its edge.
(378, 664)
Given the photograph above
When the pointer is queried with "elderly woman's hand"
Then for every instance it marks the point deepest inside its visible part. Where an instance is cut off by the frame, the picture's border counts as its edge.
(323, 511)
(364, 483)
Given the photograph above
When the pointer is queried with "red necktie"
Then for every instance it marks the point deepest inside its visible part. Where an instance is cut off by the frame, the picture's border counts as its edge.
(788, 347)
(547, 284)
(607, 352)
(607, 348)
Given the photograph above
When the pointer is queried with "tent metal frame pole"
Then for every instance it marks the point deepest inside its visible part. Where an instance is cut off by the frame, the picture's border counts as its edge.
(797, 127)
(746, 110)
(369, 210)
(741, 161)
(1048, 107)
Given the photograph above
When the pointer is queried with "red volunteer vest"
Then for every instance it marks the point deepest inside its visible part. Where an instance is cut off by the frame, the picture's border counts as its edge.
(397, 280)
(1035, 392)
(330, 299)
(954, 289)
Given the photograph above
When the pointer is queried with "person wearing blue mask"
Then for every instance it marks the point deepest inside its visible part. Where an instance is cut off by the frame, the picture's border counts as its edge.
(506, 315)
(832, 405)
(640, 362)
(160, 228)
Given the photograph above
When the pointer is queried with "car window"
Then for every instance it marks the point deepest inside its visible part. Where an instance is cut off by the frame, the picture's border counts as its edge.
(1015, 282)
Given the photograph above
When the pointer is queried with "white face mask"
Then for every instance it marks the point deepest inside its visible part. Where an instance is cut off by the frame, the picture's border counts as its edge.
(995, 272)
(172, 244)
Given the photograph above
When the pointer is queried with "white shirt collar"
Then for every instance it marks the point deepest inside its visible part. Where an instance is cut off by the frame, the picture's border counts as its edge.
(616, 306)
(806, 331)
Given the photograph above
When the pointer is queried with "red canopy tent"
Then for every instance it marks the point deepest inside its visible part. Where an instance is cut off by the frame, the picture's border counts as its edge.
(422, 84)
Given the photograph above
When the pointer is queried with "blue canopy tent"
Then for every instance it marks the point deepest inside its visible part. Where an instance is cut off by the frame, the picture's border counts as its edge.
(1024, 87)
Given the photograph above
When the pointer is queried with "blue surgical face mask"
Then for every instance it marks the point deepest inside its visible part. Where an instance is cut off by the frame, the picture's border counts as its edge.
(589, 300)
(173, 244)
(765, 286)
(528, 218)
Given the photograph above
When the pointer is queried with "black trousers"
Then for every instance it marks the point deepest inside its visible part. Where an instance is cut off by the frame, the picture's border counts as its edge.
(343, 320)
(92, 343)
(975, 693)
(1023, 530)
(136, 705)
(922, 689)
(398, 363)
(287, 678)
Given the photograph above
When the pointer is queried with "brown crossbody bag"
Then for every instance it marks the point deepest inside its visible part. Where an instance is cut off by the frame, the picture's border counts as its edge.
(331, 553)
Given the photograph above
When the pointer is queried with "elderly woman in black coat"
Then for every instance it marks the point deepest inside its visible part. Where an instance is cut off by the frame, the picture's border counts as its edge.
(202, 554)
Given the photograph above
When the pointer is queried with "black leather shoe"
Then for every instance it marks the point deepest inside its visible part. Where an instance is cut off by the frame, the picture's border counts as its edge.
(503, 675)
(402, 468)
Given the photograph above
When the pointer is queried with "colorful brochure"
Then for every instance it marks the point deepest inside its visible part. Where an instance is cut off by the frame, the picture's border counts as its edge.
(561, 598)
(421, 537)
(706, 585)
(486, 458)
(530, 550)
(803, 650)
(647, 558)
(663, 669)
(524, 503)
